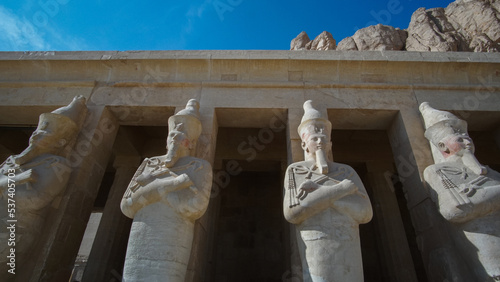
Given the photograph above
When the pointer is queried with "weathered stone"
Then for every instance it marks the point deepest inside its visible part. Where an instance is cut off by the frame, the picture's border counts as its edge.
(380, 37)
(429, 30)
(475, 18)
(466, 193)
(324, 41)
(347, 44)
(166, 195)
(300, 42)
(462, 26)
(482, 43)
(465, 25)
(326, 201)
(360, 91)
(32, 180)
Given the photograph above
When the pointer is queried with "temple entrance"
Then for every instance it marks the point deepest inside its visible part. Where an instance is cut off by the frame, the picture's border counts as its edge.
(250, 239)
(250, 235)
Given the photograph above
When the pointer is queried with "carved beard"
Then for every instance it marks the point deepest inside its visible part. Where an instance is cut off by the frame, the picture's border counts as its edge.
(472, 163)
(321, 161)
(27, 155)
(172, 155)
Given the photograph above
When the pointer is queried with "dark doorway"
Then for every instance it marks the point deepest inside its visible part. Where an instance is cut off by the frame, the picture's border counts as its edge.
(250, 243)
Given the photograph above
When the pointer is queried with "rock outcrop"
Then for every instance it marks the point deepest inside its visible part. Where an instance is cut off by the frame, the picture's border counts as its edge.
(375, 37)
(465, 25)
(430, 30)
(478, 21)
(324, 41)
(471, 25)
(300, 42)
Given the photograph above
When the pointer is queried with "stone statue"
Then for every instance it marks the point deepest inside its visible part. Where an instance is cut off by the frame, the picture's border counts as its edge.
(326, 201)
(466, 193)
(165, 197)
(30, 181)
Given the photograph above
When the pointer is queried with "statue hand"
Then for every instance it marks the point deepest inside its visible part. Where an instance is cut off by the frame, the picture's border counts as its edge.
(26, 176)
(305, 188)
(144, 178)
(349, 186)
(183, 179)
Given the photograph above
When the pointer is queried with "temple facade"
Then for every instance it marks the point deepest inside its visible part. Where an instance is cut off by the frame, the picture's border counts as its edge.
(250, 105)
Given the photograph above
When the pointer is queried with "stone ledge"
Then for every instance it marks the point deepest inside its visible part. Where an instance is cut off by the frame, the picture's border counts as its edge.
(251, 84)
(333, 55)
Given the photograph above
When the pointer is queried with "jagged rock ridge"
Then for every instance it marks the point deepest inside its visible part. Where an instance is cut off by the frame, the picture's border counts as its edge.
(465, 25)
(324, 41)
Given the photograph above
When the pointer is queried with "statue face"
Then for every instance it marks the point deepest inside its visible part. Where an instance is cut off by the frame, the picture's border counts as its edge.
(315, 141)
(177, 140)
(44, 137)
(456, 144)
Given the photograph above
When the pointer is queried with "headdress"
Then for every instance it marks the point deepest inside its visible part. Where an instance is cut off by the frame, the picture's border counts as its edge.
(310, 120)
(65, 121)
(187, 120)
(439, 124)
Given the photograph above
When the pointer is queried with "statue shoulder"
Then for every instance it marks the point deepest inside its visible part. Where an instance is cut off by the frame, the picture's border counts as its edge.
(48, 157)
(341, 171)
(45, 161)
(335, 165)
(300, 164)
(203, 163)
(197, 163)
(430, 170)
(434, 169)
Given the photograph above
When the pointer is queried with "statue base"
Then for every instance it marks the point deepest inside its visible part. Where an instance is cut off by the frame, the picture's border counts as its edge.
(159, 245)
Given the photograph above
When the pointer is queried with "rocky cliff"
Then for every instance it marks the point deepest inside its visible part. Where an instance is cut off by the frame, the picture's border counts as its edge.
(465, 25)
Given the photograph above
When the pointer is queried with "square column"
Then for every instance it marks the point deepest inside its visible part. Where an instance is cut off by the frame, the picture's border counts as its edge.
(204, 227)
(108, 251)
(412, 155)
(55, 254)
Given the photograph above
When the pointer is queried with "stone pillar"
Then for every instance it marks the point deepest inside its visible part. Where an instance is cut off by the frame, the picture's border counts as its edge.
(108, 251)
(295, 154)
(165, 197)
(390, 225)
(412, 155)
(204, 228)
(55, 255)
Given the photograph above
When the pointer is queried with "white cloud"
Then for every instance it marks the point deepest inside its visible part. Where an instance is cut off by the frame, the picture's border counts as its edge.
(195, 12)
(18, 33)
(198, 10)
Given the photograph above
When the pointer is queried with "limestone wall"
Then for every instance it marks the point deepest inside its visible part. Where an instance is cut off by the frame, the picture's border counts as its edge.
(264, 90)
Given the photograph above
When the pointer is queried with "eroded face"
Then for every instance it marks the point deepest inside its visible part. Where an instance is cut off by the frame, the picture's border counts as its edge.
(456, 144)
(176, 141)
(43, 137)
(43, 140)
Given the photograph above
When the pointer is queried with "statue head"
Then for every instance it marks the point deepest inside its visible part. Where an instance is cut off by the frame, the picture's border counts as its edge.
(55, 130)
(446, 131)
(184, 130)
(314, 131)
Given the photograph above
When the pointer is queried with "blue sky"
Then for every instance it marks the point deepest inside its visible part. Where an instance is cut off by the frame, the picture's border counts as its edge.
(73, 25)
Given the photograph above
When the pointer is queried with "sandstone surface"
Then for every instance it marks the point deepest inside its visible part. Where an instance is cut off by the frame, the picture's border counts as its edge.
(324, 41)
(300, 42)
(375, 37)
